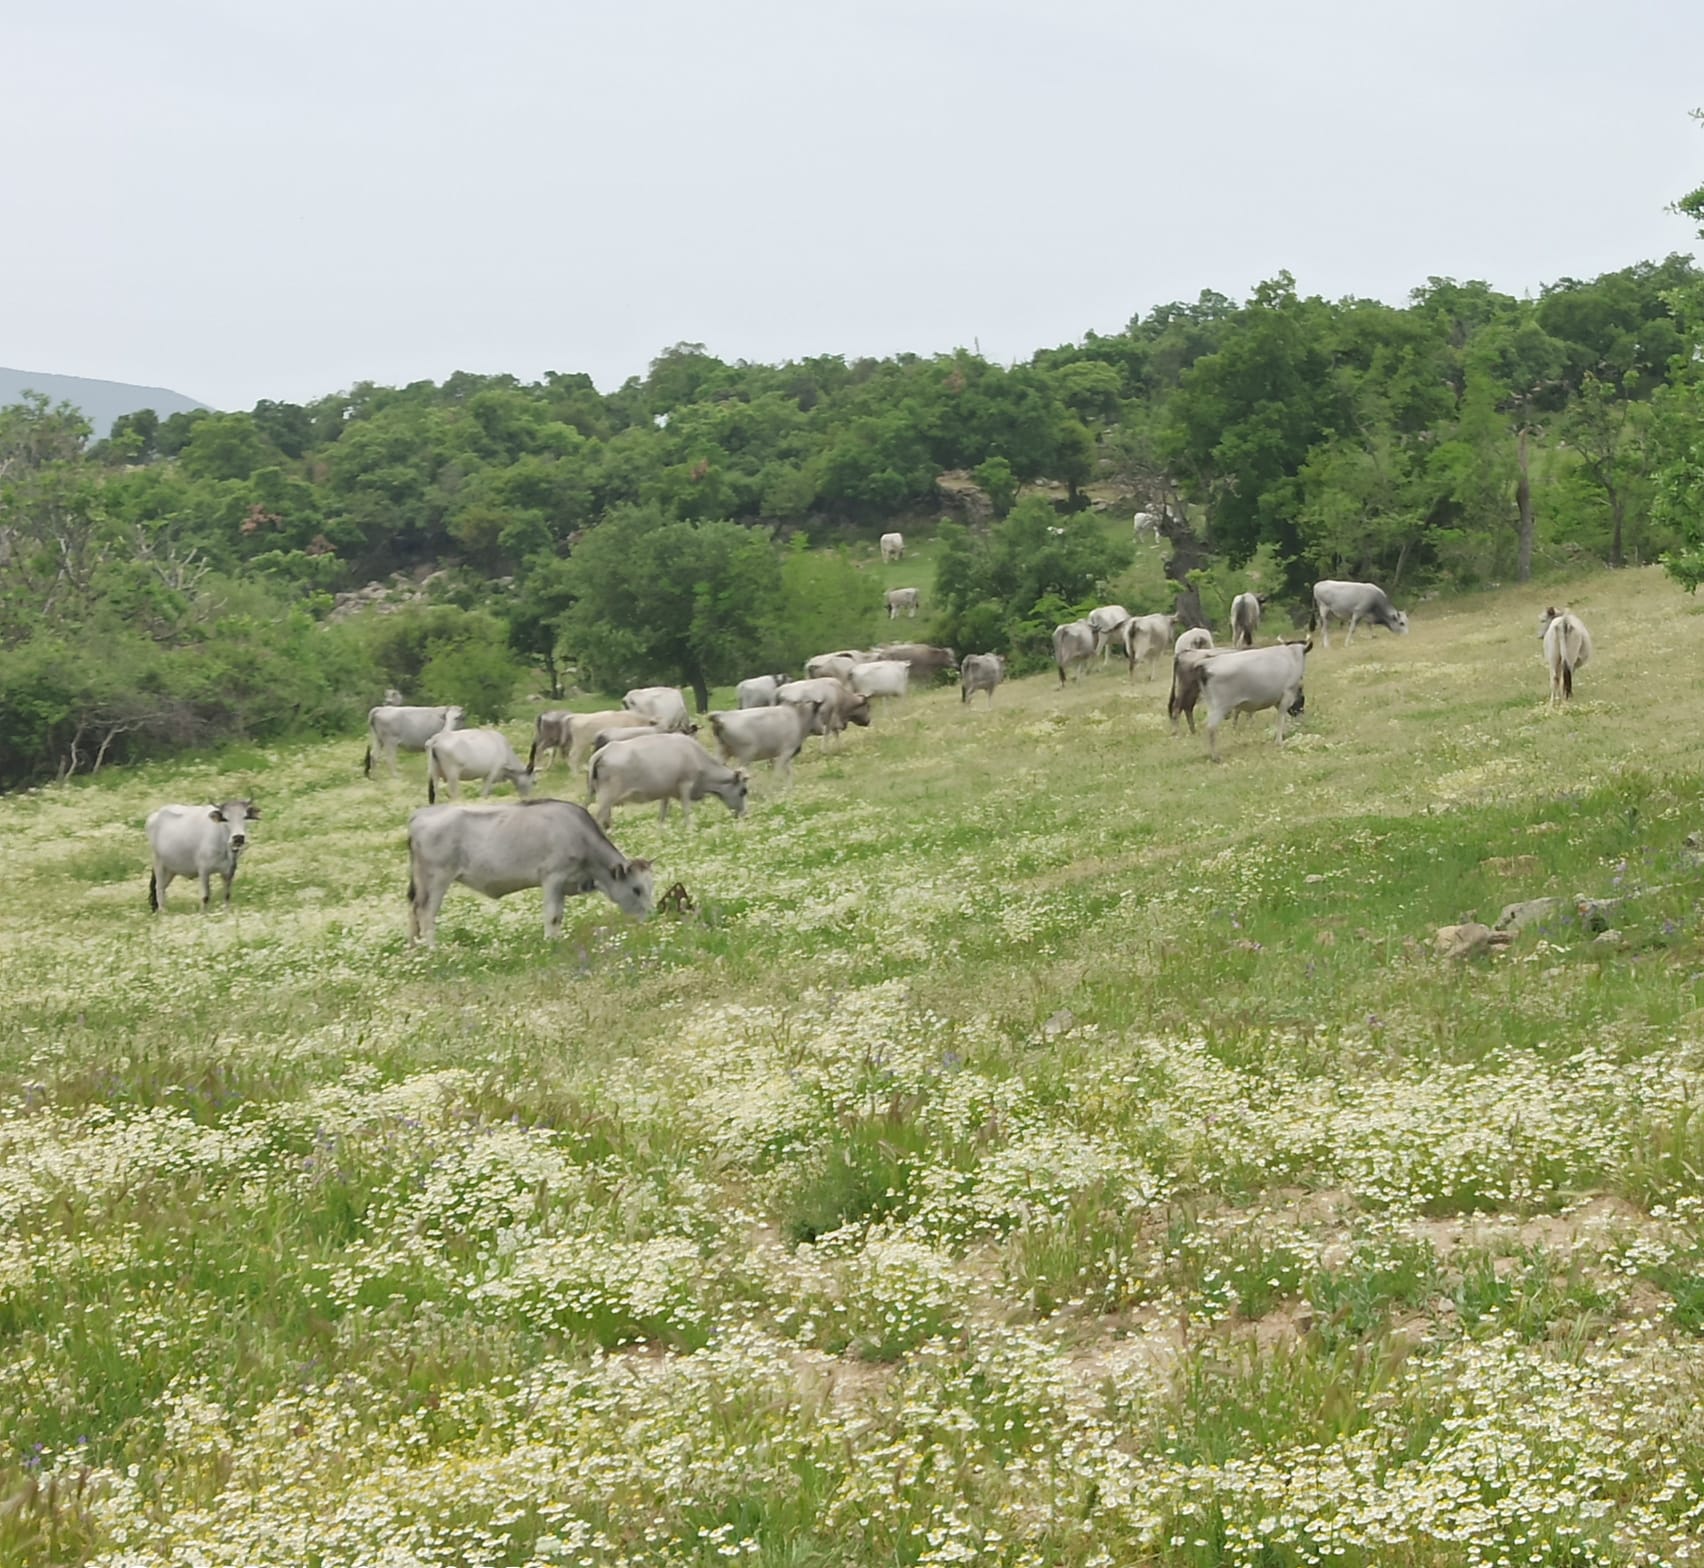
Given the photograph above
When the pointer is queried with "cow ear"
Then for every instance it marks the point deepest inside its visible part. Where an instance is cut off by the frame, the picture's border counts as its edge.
(638, 865)
(253, 810)
(216, 813)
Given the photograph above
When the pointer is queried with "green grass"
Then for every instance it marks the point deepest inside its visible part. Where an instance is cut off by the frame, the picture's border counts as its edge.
(1021, 1087)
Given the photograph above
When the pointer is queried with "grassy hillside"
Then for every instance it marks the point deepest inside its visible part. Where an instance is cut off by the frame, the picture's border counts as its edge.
(100, 401)
(1034, 1146)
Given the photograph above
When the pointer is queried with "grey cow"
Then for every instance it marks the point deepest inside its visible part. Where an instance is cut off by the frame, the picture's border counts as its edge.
(1354, 602)
(1245, 618)
(550, 844)
(392, 727)
(980, 672)
(1247, 680)
(199, 842)
(662, 768)
(473, 754)
(902, 601)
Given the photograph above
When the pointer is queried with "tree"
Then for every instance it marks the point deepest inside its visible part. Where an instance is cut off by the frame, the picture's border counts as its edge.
(1677, 432)
(655, 600)
(1607, 433)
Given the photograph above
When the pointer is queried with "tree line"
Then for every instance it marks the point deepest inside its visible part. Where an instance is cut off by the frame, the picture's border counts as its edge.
(172, 583)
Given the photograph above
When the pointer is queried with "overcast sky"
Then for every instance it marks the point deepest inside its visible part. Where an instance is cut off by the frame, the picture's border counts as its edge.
(241, 202)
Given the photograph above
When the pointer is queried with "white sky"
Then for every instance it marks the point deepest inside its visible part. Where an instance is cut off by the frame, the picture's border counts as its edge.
(242, 202)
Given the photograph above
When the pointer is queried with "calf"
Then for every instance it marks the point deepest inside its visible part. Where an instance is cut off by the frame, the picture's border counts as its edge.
(1354, 602)
(1144, 636)
(197, 841)
(980, 672)
(662, 768)
(473, 754)
(759, 691)
(1073, 644)
(1567, 645)
(1245, 618)
(1247, 680)
(773, 735)
(548, 844)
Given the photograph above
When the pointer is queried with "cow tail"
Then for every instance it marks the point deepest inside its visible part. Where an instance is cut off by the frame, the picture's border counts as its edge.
(154, 891)
(532, 756)
(431, 786)
(367, 764)
(1567, 677)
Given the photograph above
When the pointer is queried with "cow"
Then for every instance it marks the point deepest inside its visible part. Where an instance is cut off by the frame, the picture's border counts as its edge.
(839, 704)
(392, 727)
(893, 547)
(572, 733)
(1567, 645)
(838, 664)
(1247, 680)
(881, 678)
(473, 754)
(197, 841)
(1145, 526)
(773, 735)
(759, 691)
(1107, 622)
(1073, 643)
(1353, 602)
(661, 705)
(1194, 640)
(902, 599)
(1245, 618)
(550, 844)
(926, 661)
(662, 768)
(625, 732)
(980, 672)
(1144, 636)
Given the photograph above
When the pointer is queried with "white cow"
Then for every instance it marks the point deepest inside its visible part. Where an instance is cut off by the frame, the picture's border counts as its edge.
(773, 735)
(838, 664)
(1247, 680)
(881, 678)
(759, 691)
(455, 755)
(1108, 621)
(1147, 636)
(1194, 640)
(572, 734)
(662, 768)
(392, 728)
(661, 705)
(548, 844)
(838, 704)
(902, 600)
(1146, 526)
(1567, 645)
(1245, 618)
(893, 546)
(1073, 643)
(1354, 602)
(197, 841)
(980, 672)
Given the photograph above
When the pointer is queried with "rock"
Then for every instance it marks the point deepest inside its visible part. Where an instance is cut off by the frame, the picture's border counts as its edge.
(1243, 945)
(1609, 938)
(1513, 868)
(1595, 913)
(1468, 940)
(1314, 876)
(1694, 840)
(1062, 1022)
(1530, 912)
(1325, 939)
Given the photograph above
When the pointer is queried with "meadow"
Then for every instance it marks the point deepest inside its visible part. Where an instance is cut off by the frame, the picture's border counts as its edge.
(1032, 1145)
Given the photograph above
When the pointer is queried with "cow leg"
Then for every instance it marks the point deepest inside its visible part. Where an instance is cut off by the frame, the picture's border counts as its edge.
(1214, 720)
(157, 885)
(230, 877)
(686, 806)
(663, 811)
(1349, 636)
(206, 890)
(555, 899)
(490, 782)
(1324, 626)
(428, 899)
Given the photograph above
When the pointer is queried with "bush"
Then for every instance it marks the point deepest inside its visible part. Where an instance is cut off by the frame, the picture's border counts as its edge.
(445, 654)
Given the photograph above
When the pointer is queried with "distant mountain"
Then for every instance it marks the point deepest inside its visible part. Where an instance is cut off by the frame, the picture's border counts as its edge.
(101, 401)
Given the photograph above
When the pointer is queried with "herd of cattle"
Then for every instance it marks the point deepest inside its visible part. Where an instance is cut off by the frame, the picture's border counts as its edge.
(645, 751)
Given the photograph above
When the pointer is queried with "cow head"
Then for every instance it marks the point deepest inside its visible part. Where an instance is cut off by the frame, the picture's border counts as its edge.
(453, 717)
(1399, 622)
(738, 790)
(859, 713)
(630, 888)
(1544, 620)
(236, 815)
(525, 781)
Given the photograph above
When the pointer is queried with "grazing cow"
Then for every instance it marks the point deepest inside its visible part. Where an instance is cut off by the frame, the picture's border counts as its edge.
(197, 841)
(980, 672)
(893, 546)
(1107, 622)
(662, 768)
(773, 735)
(625, 732)
(1247, 680)
(838, 664)
(1354, 602)
(393, 698)
(1567, 645)
(838, 704)
(1146, 636)
(1073, 643)
(473, 754)
(1146, 526)
(902, 599)
(759, 691)
(1192, 641)
(926, 660)
(548, 844)
(392, 728)
(572, 734)
(881, 678)
(661, 705)
(1245, 618)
